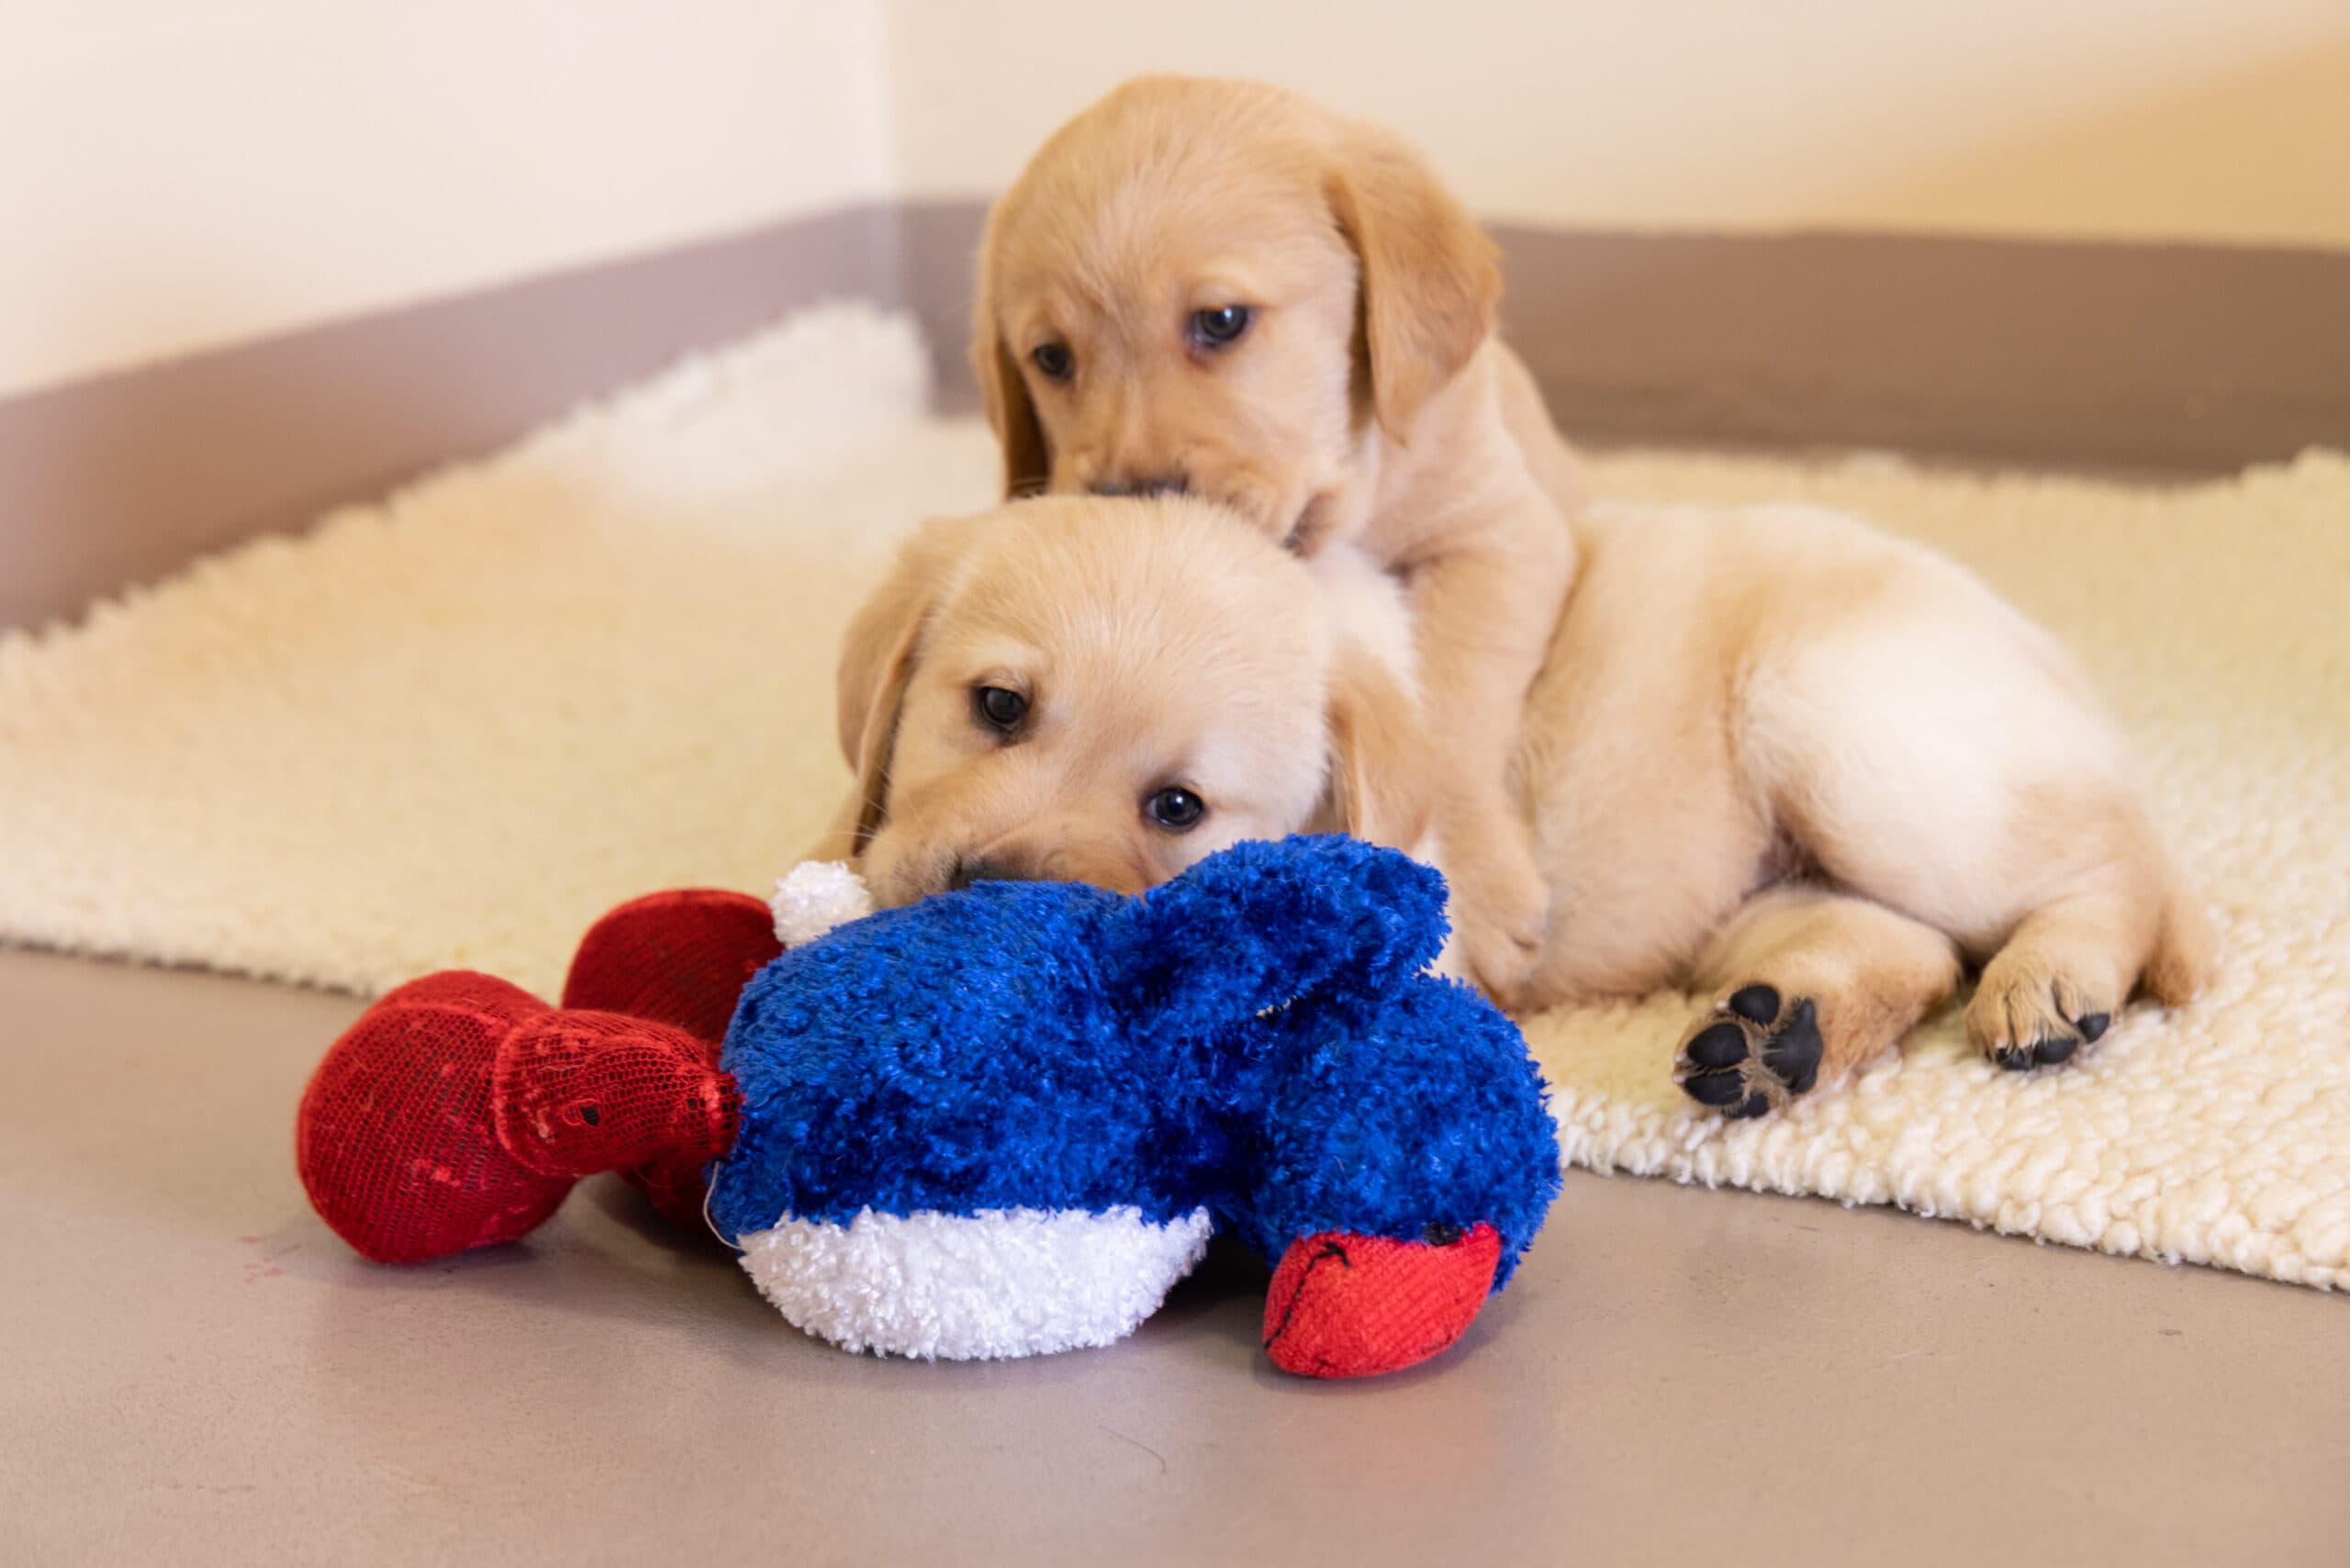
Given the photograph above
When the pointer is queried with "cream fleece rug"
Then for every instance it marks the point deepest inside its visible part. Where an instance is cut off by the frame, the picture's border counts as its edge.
(451, 728)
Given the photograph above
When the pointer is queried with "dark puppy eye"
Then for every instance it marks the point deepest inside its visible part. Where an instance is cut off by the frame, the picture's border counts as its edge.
(1220, 325)
(1175, 809)
(999, 708)
(1055, 361)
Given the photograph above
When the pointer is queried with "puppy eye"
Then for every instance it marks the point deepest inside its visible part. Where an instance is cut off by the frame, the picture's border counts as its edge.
(1175, 809)
(1221, 324)
(999, 708)
(1055, 361)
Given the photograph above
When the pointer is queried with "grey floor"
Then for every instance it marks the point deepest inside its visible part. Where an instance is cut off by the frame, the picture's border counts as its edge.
(193, 1370)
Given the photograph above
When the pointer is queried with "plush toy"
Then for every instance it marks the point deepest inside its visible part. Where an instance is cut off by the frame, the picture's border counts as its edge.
(1003, 1121)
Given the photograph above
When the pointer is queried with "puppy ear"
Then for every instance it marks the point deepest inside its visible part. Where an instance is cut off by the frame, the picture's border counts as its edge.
(1431, 278)
(1003, 391)
(877, 659)
(1380, 787)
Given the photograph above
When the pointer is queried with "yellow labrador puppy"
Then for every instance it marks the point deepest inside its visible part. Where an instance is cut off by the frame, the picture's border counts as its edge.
(1217, 288)
(1076, 690)
(1773, 755)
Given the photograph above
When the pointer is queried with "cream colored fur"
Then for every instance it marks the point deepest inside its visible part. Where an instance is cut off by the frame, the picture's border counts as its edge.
(1154, 645)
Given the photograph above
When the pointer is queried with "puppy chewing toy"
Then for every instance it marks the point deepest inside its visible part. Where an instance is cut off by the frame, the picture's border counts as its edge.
(1001, 1122)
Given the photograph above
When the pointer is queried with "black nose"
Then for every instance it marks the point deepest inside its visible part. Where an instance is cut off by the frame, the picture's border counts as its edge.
(982, 869)
(1147, 485)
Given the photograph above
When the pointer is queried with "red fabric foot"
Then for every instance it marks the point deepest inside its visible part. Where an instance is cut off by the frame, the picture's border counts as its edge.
(459, 1110)
(397, 1141)
(680, 958)
(577, 1093)
(1347, 1305)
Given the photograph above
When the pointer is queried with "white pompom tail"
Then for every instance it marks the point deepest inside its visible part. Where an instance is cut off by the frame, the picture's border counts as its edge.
(815, 897)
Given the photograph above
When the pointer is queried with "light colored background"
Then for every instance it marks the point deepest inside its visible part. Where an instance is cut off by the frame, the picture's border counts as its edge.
(178, 175)
(175, 177)
(2181, 120)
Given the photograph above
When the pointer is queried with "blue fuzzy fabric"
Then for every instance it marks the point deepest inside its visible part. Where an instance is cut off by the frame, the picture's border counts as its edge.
(1257, 1036)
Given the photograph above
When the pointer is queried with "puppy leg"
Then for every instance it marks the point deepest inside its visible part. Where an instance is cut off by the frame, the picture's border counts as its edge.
(1808, 985)
(1928, 747)
(2072, 964)
(1486, 610)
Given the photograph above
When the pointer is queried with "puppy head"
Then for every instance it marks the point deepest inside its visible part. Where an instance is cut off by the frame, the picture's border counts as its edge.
(1218, 287)
(1097, 691)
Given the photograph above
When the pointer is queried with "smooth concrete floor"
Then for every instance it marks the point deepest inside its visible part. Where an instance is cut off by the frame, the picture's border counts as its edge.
(193, 1370)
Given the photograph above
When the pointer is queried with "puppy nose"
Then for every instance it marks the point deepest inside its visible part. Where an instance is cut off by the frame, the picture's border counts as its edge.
(1145, 485)
(987, 869)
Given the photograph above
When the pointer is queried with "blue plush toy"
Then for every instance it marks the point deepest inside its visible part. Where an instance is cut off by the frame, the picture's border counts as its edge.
(1007, 1120)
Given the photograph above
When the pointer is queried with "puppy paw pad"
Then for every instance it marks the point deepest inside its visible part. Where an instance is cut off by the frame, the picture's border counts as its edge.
(1754, 1053)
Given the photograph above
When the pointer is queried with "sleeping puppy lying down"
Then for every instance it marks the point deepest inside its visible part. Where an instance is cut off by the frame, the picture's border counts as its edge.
(1218, 288)
(1773, 756)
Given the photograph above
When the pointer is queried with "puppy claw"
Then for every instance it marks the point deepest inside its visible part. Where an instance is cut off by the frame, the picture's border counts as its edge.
(1752, 1055)
(2048, 1050)
(2024, 1027)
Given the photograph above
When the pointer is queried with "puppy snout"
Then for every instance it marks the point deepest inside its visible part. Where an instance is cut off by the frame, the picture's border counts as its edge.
(992, 869)
(1168, 484)
(1098, 867)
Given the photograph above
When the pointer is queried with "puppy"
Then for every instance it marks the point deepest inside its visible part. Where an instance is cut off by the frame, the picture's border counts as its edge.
(1078, 690)
(1812, 770)
(1773, 755)
(1218, 288)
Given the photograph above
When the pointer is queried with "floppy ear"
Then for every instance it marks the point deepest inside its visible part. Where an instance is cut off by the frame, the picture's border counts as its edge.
(1379, 787)
(1260, 925)
(1431, 278)
(1004, 392)
(877, 658)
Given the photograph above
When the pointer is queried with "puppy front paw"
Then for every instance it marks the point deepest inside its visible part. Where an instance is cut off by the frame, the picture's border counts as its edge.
(1500, 915)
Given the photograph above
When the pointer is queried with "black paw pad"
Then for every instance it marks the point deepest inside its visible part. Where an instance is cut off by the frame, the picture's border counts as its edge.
(1794, 1054)
(1724, 1045)
(2048, 1053)
(1746, 1063)
(1715, 1089)
(2093, 1027)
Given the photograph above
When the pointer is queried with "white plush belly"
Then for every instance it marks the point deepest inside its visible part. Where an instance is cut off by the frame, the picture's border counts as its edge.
(1000, 1282)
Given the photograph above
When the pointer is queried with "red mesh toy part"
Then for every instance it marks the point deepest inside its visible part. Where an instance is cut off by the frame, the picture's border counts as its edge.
(459, 1110)
(396, 1139)
(680, 958)
(683, 958)
(577, 1092)
(1346, 1305)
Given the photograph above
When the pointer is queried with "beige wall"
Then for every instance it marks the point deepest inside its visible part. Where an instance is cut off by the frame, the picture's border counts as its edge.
(180, 174)
(175, 173)
(2199, 119)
